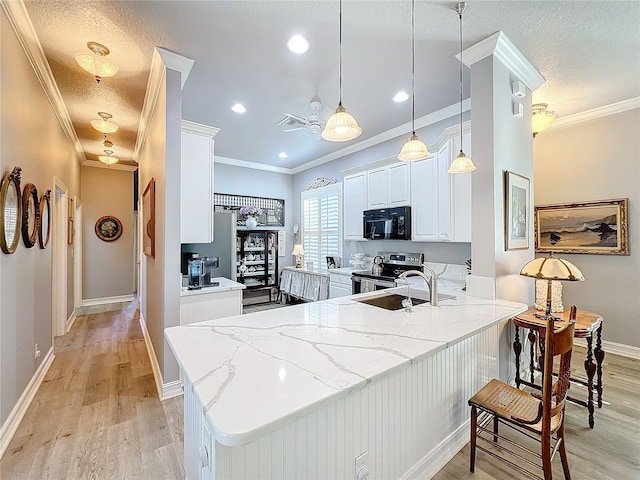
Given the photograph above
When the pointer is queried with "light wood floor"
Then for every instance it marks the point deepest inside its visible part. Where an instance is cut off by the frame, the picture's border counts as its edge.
(97, 416)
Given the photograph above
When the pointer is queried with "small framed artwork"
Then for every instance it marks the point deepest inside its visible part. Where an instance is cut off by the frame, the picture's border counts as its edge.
(149, 219)
(599, 227)
(333, 262)
(516, 209)
(108, 228)
(71, 217)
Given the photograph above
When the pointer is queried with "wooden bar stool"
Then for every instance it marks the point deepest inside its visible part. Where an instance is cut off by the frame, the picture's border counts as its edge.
(540, 417)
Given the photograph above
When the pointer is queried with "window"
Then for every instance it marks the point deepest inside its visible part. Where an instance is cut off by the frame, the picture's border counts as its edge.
(321, 225)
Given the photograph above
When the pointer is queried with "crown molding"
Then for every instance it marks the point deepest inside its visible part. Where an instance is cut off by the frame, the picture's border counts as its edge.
(504, 50)
(161, 60)
(115, 166)
(595, 113)
(256, 166)
(198, 128)
(421, 122)
(21, 23)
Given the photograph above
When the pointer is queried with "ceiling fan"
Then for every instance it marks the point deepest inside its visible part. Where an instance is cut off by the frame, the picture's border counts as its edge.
(314, 122)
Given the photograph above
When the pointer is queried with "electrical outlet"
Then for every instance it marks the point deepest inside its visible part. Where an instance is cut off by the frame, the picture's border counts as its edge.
(361, 466)
(36, 351)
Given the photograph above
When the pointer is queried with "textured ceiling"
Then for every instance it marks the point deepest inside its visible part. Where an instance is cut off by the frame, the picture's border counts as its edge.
(589, 52)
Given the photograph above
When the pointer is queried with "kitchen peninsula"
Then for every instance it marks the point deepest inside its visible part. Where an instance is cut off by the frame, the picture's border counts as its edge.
(223, 298)
(301, 391)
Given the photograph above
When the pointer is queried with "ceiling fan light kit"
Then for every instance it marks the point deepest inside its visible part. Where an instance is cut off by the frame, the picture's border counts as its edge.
(414, 149)
(96, 62)
(462, 164)
(341, 126)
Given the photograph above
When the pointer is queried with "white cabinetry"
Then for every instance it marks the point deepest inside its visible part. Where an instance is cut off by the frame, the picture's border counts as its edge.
(196, 183)
(442, 202)
(354, 200)
(389, 186)
(339, 284)
(202, 306)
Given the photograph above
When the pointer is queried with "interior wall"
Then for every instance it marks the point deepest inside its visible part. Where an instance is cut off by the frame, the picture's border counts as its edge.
(32, 138)
(455, 253)
(591, 161)
(237, 180)
(107, 266)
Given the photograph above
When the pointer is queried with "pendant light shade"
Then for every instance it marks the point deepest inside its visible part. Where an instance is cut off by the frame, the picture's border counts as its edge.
(414, 149)
(341, 126)
(96, 62)
(108, 159)
(104, 125)
(541, 117)
(462, 164)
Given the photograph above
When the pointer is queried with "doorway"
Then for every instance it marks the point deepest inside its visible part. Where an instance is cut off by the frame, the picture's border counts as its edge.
(77, 255)
(59, 258)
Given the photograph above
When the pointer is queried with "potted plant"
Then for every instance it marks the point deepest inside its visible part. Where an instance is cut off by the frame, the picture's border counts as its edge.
(251, 213)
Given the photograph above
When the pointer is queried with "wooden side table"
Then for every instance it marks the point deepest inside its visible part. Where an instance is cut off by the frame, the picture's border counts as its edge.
(586, 324)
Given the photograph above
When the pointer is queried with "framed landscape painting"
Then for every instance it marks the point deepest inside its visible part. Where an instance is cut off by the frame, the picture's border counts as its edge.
(590, 227)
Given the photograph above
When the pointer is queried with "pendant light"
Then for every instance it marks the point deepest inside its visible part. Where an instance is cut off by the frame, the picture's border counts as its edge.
(414, 149)
(341, 126)
(96, 62)
(108, 159)
(462, 164)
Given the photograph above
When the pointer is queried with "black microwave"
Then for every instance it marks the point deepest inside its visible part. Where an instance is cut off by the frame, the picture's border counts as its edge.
(387, 224)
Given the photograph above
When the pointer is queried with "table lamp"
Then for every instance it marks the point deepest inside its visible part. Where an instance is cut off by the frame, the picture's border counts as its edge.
(551, 268)
(298, 251)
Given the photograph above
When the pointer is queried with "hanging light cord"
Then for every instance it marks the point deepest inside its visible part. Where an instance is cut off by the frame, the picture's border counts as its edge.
(340, 59)
(461, 67)
(413, 66)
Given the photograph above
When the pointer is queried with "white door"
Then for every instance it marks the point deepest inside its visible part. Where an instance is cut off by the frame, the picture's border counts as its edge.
(377, 188)
(354, 203)
(444, 193)
(424, 199)
(398, 185)
(59, 259)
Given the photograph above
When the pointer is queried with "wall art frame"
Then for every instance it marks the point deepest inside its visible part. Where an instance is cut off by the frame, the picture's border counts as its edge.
(595, 227)
(517, 211)
(108, 228)
(149, 219)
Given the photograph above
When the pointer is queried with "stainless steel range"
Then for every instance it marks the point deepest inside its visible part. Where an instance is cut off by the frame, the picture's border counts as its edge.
(393, 264)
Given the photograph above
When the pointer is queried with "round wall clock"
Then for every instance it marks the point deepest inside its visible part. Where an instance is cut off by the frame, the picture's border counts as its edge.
(108, 228)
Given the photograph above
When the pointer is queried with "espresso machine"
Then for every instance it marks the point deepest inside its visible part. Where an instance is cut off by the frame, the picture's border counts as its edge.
(200, 271)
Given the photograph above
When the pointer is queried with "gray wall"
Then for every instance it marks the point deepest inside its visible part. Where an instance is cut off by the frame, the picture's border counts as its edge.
(598, 160)
(107, 269)
(434, 252)
(260, 183)
(160, 159)
(30, 137)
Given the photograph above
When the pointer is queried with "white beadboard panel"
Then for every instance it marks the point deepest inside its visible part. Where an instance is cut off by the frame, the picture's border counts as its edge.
(412, 422)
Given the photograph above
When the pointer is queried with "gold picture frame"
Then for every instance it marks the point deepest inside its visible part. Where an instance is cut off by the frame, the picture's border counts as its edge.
(598, 227)
(149, 219)
(70, 216)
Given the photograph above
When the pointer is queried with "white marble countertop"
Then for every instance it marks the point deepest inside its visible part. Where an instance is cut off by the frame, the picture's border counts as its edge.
(347, 270)
(254, 373)
(225, 285)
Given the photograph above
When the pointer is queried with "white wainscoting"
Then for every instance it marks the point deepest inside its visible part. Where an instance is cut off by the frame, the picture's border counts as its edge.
(412, 422)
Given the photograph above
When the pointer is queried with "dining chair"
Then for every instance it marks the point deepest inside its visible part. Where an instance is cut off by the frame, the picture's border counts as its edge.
(536, 416)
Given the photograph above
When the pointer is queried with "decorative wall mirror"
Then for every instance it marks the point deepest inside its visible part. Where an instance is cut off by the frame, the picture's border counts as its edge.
(30, 214)
(44, 225)
(10, 211)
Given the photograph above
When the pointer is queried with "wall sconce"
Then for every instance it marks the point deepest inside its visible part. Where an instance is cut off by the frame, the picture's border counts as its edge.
(541, 117)
(298, 251)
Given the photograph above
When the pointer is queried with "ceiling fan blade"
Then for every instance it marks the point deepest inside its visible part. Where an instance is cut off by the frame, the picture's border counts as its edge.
(294, 129)
(291, 119)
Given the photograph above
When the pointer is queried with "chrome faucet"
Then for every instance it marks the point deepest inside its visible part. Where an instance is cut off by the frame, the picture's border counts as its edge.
(431, 281)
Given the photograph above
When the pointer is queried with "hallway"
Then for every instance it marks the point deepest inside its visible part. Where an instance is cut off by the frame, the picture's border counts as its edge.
(97, 414)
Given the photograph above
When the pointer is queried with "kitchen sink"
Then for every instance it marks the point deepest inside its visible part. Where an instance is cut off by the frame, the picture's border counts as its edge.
(390, 301)
(393, 301)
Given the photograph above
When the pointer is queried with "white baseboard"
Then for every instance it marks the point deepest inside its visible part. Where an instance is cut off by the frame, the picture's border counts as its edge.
(616, 348)
(165, 390)
(70, 321)
(15, 417)
(105, 300)
(437, 458)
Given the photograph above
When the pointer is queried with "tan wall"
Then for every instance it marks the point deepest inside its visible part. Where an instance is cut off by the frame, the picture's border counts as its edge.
(30, 137)
(598, 160)
(107, 266)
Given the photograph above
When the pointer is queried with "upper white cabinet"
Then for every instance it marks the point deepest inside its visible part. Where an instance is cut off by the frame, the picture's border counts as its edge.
(441, 202)
(196, 183)
(354, 201)
(389, 186)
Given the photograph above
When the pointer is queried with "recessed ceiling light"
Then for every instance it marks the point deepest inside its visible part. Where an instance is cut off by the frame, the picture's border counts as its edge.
(283, 155)
(401, 96)
(298, 44)
(239, 108)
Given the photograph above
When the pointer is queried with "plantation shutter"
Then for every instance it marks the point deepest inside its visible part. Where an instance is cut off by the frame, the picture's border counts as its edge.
(322, 233)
